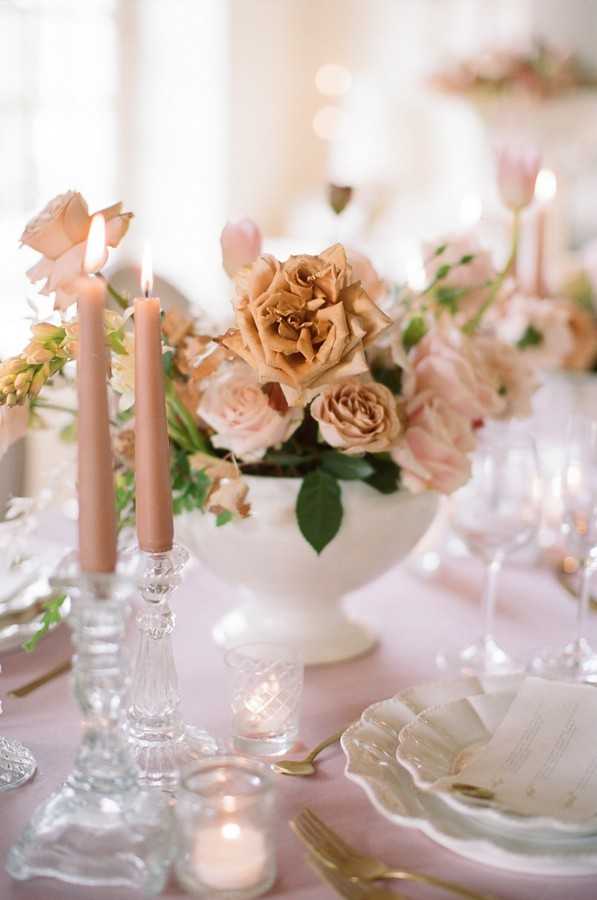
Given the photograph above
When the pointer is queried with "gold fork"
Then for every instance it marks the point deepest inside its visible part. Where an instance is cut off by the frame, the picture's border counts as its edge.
(336, 853)
(351, 889)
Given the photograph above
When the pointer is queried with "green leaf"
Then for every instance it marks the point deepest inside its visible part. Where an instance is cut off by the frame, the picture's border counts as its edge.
(414, 332)
(449, 297)
(168, 363)
(442, 272)
(68, 434)
(116, 343)
(223, 518)
(319, 508)
(441, 249)
(348, 468)
(391, 378)
(51, 616)
(386, 478)
(531, 338)
(466, 259)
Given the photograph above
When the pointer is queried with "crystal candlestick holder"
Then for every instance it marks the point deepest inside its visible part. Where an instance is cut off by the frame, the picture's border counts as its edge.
(162, 744)
(100, 827)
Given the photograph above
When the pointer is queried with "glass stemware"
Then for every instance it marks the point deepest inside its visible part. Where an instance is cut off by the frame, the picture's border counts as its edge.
(577, 661)
(496, 513)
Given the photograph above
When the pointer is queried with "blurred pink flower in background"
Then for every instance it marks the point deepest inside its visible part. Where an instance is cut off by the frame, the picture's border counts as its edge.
(471, 277)
(516, 176)
(241, 245)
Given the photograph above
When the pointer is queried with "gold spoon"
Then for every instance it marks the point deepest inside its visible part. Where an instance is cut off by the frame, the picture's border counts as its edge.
(305, 766)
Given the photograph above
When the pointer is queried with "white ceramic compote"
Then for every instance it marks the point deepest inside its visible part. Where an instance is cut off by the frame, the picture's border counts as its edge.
(162, 745)
(100, 827)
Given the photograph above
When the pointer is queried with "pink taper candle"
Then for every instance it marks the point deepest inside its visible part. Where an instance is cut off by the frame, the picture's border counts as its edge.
(153, 492)
(97, 511)
(545, 191)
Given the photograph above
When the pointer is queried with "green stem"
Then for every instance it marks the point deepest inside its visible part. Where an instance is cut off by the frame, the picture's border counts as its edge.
(187, 422)
(43, 404)
(471, 326)
(120, 300)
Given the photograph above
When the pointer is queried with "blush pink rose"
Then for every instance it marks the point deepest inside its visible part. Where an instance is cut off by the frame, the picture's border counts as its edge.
(433, 451)
(444, 365)
(241, 245)
(239, 411)
(59, 233)
(514, 377)
(517, 175)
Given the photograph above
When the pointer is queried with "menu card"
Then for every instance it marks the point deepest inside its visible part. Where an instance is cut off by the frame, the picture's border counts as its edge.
(542, 759)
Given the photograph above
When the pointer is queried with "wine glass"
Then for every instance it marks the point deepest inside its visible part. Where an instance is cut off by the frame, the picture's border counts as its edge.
(496, 513)
(577, 661)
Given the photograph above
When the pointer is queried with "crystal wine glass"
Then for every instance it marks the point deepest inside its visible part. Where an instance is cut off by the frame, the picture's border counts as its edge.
(577, 661)
(496, 513)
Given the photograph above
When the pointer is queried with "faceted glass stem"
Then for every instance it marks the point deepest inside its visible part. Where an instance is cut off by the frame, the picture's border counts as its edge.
(99, 828)
(163, 746)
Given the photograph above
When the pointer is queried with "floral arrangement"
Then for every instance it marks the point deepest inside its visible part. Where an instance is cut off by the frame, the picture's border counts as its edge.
(326, 374)
(540, 71)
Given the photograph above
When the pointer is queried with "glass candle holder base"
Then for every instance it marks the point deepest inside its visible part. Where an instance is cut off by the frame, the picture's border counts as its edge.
(162, 744)
(99, 827)
(94, 839)
(162, 757)
(17, 764)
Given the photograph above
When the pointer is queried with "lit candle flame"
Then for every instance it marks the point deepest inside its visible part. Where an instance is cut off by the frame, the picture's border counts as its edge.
(95, 250)
(546, 186)
(146, 271)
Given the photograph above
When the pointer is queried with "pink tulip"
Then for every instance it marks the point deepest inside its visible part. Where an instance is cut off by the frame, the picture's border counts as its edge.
(517, 174)
(241, 245)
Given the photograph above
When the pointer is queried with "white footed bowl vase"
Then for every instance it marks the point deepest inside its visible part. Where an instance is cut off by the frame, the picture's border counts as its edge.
(289, 593)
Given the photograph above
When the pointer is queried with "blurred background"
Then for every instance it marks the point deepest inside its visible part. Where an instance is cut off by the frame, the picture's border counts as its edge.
(193, 112)
(196, 111)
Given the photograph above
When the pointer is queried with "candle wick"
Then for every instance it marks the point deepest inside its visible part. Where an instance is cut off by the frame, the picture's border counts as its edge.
(146, 293)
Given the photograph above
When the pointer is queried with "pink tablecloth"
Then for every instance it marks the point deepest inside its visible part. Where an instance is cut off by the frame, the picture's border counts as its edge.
(413, 616)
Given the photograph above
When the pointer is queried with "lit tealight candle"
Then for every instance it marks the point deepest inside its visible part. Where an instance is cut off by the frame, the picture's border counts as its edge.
(230, 857)
(152, 450)
(95, 482)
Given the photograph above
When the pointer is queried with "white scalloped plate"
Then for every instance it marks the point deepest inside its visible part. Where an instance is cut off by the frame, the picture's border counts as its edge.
(370, 749)
(444, 738)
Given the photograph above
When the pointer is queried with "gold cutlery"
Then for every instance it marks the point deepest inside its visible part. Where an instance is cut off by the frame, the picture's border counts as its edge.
(305, 766)
(349, 888)
(30, 686)
(336, 853)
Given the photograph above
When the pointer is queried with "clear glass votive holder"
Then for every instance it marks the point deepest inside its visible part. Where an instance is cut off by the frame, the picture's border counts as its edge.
(225, 813)
(266, 692)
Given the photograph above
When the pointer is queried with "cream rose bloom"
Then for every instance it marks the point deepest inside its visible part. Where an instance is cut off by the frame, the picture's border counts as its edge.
(357, 417)
(433, 452)
(59, 233)
(235, 406)
(303, 323)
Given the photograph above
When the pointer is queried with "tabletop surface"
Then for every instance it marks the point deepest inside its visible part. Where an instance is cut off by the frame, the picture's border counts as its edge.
(413, 615)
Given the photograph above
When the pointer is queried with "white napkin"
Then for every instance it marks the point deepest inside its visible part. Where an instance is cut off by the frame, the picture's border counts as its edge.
(542, 758)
